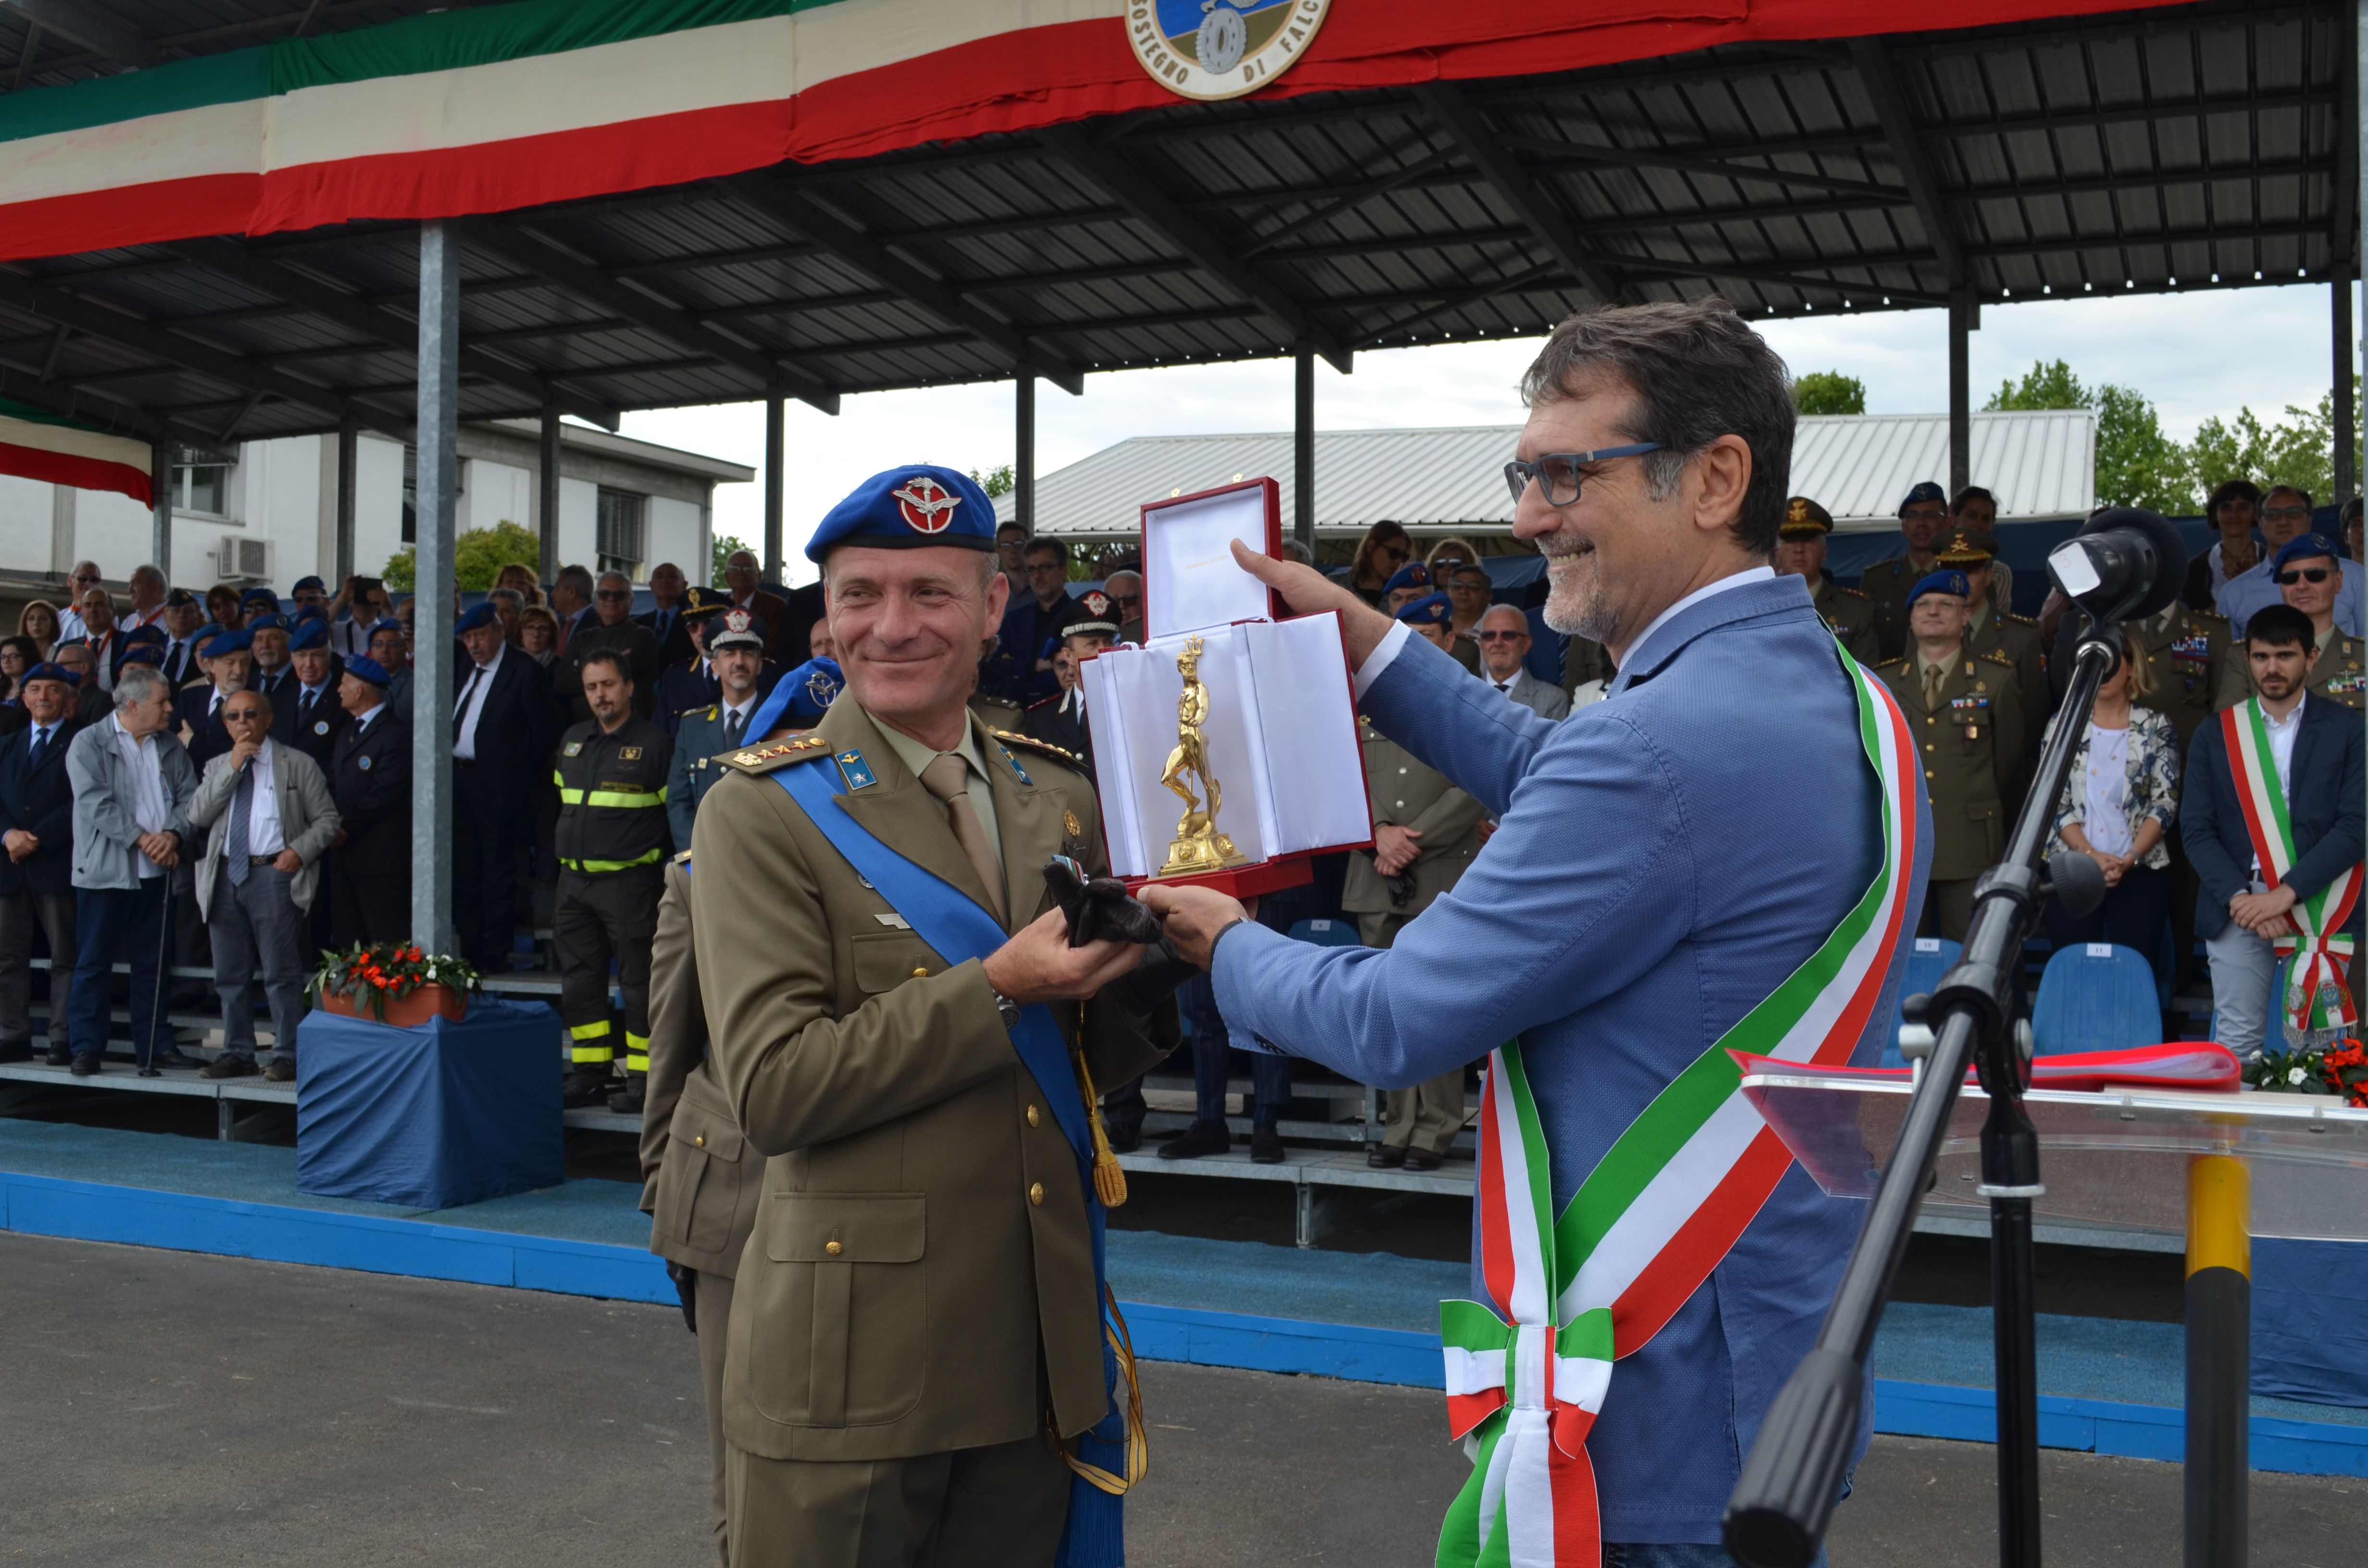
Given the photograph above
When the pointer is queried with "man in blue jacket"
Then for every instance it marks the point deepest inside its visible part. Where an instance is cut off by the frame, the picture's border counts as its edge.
(1629, 916)
(2269, 881)
(37, 868)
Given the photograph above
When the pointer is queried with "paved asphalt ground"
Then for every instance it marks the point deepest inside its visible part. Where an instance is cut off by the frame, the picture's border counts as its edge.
(172, 1407)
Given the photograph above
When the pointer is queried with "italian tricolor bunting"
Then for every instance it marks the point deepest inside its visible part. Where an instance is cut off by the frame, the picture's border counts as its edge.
(2318, 951)
(35, 444)
(1648, 1225)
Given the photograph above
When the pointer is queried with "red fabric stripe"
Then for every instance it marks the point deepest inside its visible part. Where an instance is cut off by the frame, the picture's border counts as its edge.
(80, 473)
(1700, 1244)
(1465, 1410)
(1577, 1519)
(2231, 719)
(1495, 1239)
(128, 215)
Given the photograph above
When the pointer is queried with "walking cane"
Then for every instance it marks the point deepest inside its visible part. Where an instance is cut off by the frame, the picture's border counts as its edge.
(148, 1068)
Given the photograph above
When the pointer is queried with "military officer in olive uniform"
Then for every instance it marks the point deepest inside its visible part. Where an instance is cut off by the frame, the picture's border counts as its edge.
(1966, 714)
(917, 1337)
(2309, 571)
(2015, 638)
(699, 1178)
(1426, 831)
(1885, 583)
(1800, 551)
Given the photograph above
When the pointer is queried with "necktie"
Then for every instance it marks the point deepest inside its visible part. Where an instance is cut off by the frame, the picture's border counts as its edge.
(1934, 675)
(304, 708)
(235, 849)
(34, 752)
(948, 779)
(731, 721)
(1505, 687)
(468, 691)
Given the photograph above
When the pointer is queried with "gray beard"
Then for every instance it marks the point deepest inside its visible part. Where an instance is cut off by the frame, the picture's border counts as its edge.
(1578, 613)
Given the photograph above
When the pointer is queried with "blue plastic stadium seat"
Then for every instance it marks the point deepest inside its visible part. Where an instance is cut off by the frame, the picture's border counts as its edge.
(2096, 996)
(1326, 933)
(1929, 958)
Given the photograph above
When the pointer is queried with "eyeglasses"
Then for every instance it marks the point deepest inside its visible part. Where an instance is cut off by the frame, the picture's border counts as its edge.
(2285, 514)
(1498, 636)
(611, 595)
(1558, 476)
(1921, 514)
(1394, 552)
(2304, 574)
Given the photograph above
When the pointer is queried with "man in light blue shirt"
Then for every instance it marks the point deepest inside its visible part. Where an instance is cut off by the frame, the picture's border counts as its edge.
(2285, 517)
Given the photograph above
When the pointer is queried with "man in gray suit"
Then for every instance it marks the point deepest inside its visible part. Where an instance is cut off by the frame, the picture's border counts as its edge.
(1504, 637)
(272, 818)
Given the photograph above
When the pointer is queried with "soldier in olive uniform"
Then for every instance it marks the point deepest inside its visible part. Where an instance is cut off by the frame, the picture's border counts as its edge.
(699, 1178)
(2014, 638)
(1922, 515)
(916, 1338)
(1800, 551)
(1966, 714)
(1426, 831)
(2309, 575)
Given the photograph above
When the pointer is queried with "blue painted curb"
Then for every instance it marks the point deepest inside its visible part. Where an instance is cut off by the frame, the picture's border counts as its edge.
(93, 1211)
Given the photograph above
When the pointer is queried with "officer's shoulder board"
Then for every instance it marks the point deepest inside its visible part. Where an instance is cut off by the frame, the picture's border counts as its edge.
(682, 858)
(1892, 664)
(2194, 614)
(1046, 703)
(1059, 753)
(1998, 657)
(764, 759)
(2018, 620)
(1852, 593)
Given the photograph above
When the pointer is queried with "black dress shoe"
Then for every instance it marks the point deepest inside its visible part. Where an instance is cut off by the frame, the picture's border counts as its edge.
(1422, 1160)
(1385, 1156)
(17, 1051)
(177, 1058)
(1266, 1144)
(282, 1069)
(1200, 1138)
(582, 1086)
(1124, 1139)
(629, 1103)
(223, 1066)
(86, 1064)
(59, 1056)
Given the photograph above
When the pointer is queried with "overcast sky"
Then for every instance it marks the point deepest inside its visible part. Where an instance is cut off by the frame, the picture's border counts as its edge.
(2195, 355)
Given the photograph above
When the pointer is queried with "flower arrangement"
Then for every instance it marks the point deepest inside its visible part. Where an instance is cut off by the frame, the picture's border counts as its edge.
(2342, 1072)
(371, 976)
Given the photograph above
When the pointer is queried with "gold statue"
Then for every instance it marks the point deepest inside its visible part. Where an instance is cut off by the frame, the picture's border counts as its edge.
(1198, 847)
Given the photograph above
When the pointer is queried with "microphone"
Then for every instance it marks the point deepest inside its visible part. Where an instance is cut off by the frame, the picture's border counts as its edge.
(2124, 564)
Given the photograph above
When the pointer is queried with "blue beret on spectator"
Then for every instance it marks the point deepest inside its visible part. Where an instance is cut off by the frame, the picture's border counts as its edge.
(48, 671)
(309, 634)
(370, 670)
(314, 583)
(387, 624)
(1949, 582)
(1927, 491)
(274, 621)
(2302, 547)
(906, 507)
(799, 698)
(140, 636)
(1431, 611)
(228, 642)
(145, 654)
(180, 597)
(313, 611)
(252, 595)
(1413, 575)
(484, 614)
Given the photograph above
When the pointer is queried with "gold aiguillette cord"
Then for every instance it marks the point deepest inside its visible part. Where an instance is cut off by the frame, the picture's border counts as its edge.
(1109, 1180)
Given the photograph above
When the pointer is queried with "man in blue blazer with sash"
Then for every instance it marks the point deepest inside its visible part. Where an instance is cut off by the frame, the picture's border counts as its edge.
(1637, 919)
(896, 1018)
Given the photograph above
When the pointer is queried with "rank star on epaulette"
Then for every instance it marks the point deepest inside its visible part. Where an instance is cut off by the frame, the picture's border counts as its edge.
(759, 759)
(1012, 738)
(856, 772)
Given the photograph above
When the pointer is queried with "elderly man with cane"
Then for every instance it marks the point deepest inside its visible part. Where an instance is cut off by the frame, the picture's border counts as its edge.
(1635, 1218)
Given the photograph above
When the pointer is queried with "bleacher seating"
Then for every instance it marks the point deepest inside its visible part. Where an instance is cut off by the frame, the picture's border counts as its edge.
(2096, 996)
(1326, 933)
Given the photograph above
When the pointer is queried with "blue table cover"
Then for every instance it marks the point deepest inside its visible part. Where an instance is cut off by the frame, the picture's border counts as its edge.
(431, 1117)
(2309, 1300)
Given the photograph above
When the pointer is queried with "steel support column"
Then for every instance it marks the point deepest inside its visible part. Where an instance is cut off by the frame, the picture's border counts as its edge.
(1303, 449)
(776, 452)
(349, 452)
(432, 666)
(1962, 321)
(1024, 458)
(2346, 469)
(2359, 164)
(160, 507)
(546, 492)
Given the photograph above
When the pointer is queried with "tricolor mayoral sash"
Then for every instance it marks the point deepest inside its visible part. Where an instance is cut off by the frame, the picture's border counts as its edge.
(2318, 951)
(1529, 1374)
(1108, 1458)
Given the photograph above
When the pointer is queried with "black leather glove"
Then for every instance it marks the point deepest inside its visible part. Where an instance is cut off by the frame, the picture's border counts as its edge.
(686, 1285)
(1098, 907)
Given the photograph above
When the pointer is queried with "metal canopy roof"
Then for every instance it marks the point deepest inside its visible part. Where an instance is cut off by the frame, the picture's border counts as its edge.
(2146, 150)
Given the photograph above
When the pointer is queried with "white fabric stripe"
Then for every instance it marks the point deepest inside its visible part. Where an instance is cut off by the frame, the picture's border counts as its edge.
(65, 439)
(1492, 1485)
(220, 139)
(1529, 1370)
(1530, 1282)
(1474, 1371)
(1529, 1498)
(1580, 1380)
(736, 62)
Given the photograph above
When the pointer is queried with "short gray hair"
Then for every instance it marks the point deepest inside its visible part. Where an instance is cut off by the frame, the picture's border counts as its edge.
(1519, 618)
(139, 682)
(147, 575)
(576, 577)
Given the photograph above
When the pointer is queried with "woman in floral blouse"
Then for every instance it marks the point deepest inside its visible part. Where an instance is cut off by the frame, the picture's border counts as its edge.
(2117, 809)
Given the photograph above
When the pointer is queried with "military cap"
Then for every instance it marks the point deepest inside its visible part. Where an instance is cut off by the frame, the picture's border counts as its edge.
(737, 630)
(1926, 490)
(369, 670)
(314, 584)
(1432, 610)
(45, 670)
(701, 603)
(139, 636)
(386, 623)
(148, 654)
(2302, 546)
(180, 599)
(313, 611)
(1965, 552)
(798, 699)
(904, 507)
(1414, 574)
(1941, 582)
(1804, 518)
(308, 635)
(1101, 615)
(274, 621)
(482, 615)
(252, 595)
(228, 642)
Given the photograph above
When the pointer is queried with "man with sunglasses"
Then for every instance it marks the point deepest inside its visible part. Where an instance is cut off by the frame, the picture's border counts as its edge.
(1503, 638)
(2305, 573)
(80, 581)
(1922, 515)
(611, 629)
(2285, 518)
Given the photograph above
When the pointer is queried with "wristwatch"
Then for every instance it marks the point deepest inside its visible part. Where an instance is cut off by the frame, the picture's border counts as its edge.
(1010, 1009)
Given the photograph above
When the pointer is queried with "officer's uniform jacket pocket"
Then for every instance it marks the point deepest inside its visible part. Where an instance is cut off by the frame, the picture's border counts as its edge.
(844, 1277)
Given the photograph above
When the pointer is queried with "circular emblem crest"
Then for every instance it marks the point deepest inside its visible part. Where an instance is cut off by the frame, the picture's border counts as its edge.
(1220, 49)
(822, 689)
(925, 505)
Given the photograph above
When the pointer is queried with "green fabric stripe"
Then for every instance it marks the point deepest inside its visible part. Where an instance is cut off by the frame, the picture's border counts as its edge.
(1588, 1334)
(1469, 1325)
(1459, 1533)
(31, 416)
(1533, 1158)
(160, 89)
(1499, 1553)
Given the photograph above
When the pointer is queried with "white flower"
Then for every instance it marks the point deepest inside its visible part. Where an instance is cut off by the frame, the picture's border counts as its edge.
(2295, 1074)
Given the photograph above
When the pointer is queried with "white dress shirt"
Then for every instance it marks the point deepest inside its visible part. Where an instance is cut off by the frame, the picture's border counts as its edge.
(263, 835)
(150, 807)
(464, 722)
(362, 721)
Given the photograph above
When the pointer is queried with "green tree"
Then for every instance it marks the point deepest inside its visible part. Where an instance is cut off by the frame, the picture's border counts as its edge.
(1829, 392)
(477, 556)
(726, 547)
(2047, 386)
(2138, 465)
(2299, 450)
(995, 481)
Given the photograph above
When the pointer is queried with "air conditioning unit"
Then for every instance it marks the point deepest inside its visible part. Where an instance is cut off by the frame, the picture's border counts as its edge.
(244, 560)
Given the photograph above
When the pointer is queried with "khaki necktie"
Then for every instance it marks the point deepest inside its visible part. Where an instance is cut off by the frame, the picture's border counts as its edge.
(1934, 675)
(947, 777)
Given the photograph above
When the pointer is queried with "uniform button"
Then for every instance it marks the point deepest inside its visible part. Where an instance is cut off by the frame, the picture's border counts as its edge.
(1928, 773)
(1036, 1192)
(921, 973)
(1032, 1118)
(1929, 719)
(833, 1248)
(701, 1141)
(1928, 745)
(1401, 771)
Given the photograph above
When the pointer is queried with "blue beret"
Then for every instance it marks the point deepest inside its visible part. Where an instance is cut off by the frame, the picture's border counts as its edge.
(903, 506)
(228, 642)
(2302, 546)
(304, 583)
(139, 636)
(313, 611)
(386, 624)
(370, 670)
(1413, 575)
(1948, 582)
(274, 621)
(145, 654)
(1927, 491)
(1432, 611)
(309, 634)
(484, 614)
(252, 595)
(798, 699)
(48, 671)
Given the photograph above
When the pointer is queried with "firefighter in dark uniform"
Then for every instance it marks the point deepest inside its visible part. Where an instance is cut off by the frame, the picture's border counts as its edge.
(612, 843)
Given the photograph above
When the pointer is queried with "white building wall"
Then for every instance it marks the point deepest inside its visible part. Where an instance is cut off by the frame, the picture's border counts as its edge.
(493, 493)
(378, 503)
(670, 533)
(579, 520)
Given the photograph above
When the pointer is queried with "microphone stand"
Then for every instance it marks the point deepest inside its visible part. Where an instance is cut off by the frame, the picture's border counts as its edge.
(1786, 1496)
